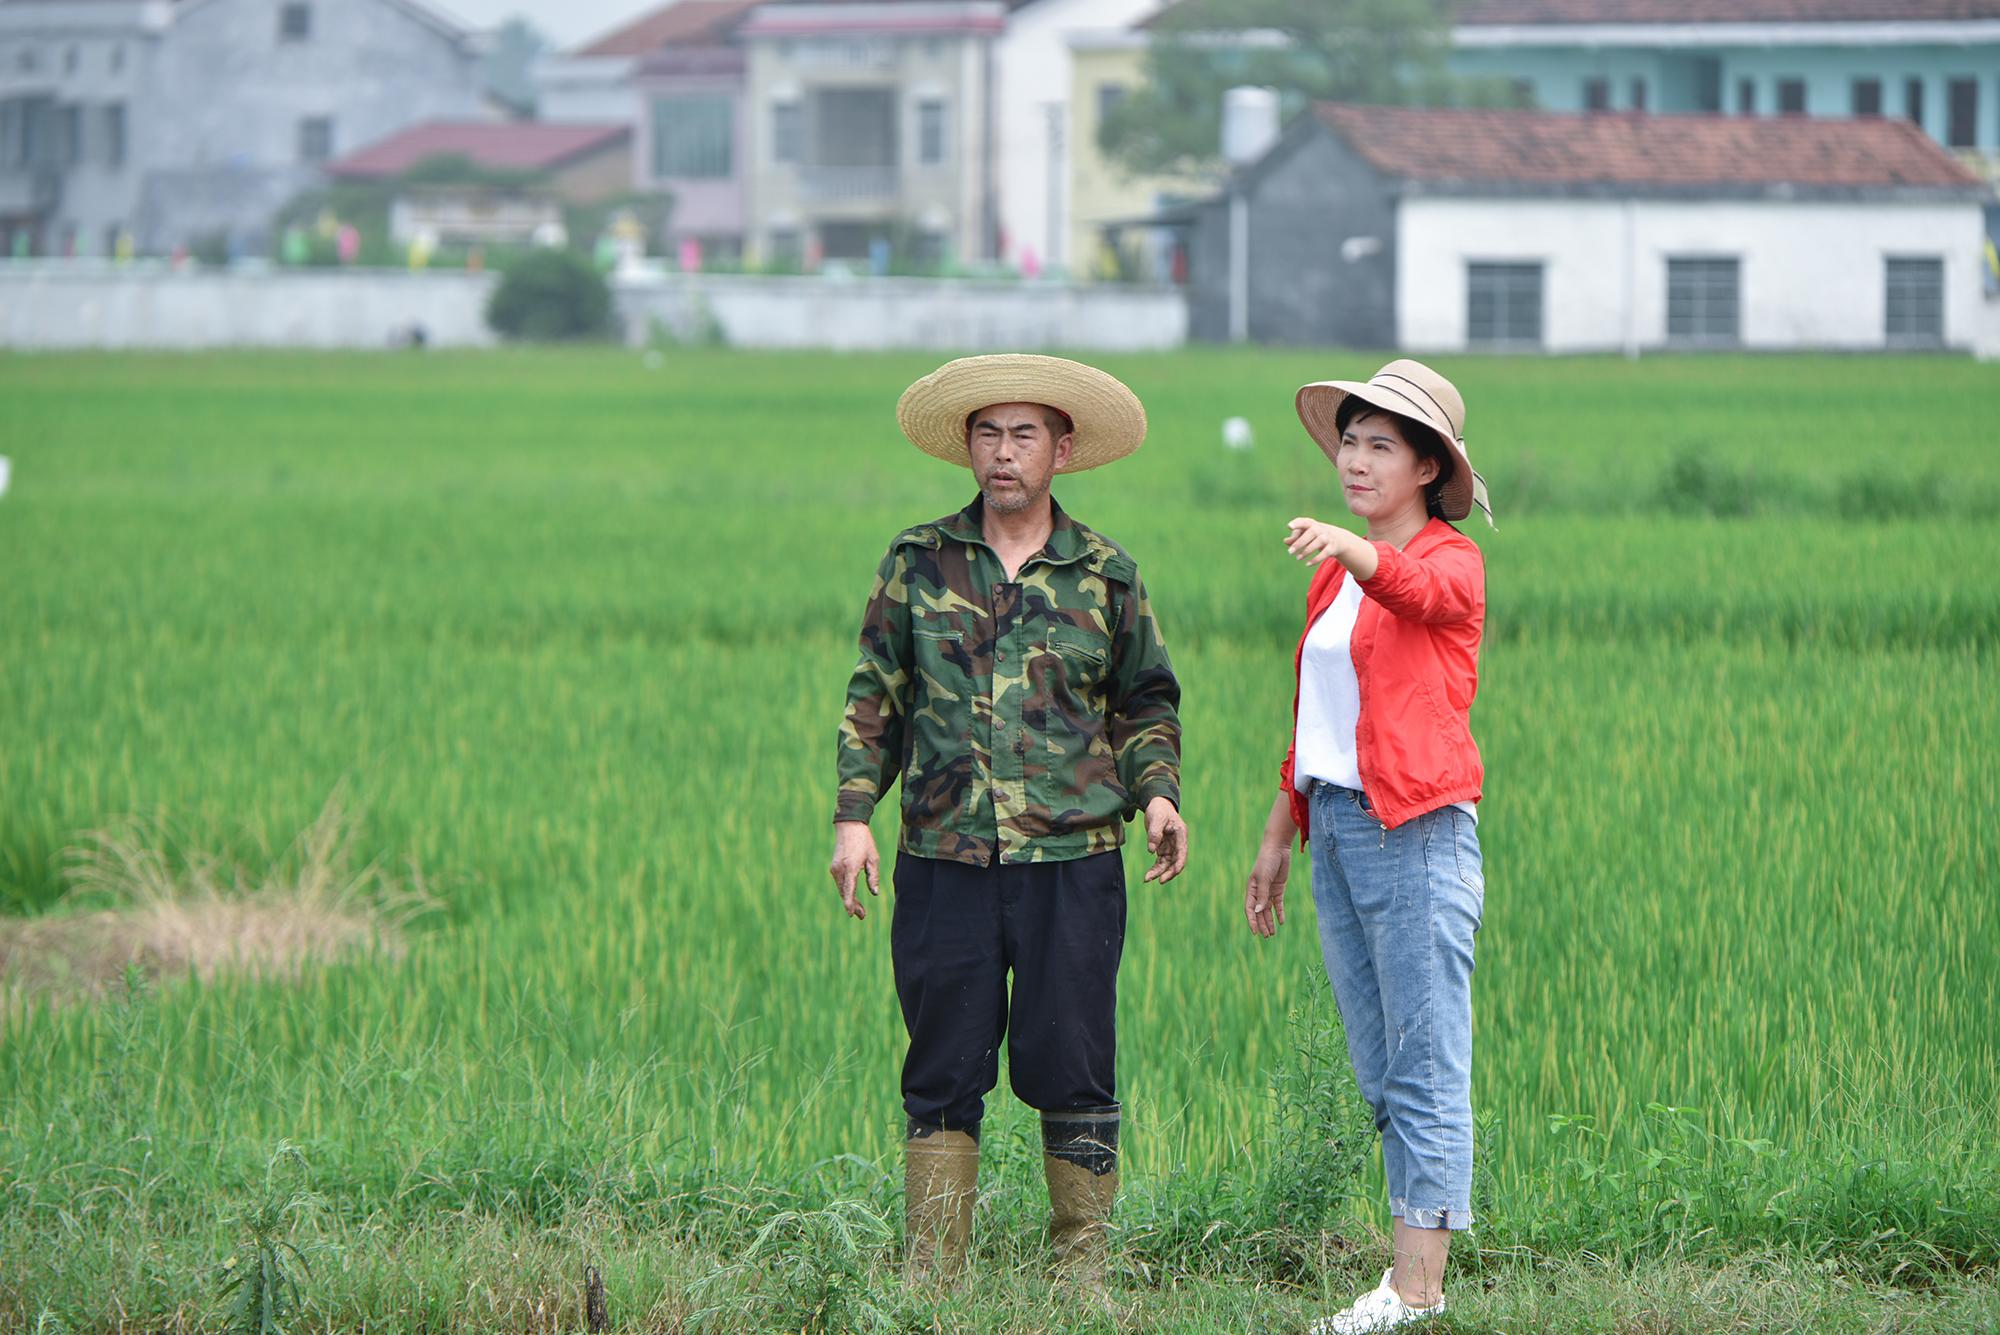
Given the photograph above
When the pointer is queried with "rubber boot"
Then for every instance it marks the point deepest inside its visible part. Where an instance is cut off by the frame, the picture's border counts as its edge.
(1080, 1160)
(940, 1183)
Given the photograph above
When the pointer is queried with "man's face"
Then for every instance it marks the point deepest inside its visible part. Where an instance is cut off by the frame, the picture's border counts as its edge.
(1015, 452)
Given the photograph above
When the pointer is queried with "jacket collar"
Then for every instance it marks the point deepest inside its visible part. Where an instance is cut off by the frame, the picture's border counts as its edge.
(1066, 541)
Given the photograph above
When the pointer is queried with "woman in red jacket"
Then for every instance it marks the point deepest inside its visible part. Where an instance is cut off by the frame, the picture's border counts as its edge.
(1382, 779)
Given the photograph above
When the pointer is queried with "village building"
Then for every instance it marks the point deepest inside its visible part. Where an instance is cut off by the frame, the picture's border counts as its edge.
(934, 129)
(523, 174)
(154, 124)
(1449, 230)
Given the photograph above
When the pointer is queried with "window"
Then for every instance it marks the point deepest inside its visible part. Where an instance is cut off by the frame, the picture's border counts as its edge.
(315, 139)
(1867, 97)
(1638, 94)
(1961, 98)
(69, 133)
(1913, 101)
(1503, 303)
(117, 57)
(1597, 94)
(295, 23)
(1791, 97)
(1914, 302)
(114, 135)
(26, 60)
(69, 60)
(1708, 84)
(1110, 97)
(1703, 301)
(1746, 97)
(930, 131)
(788, 131)
(693, 137)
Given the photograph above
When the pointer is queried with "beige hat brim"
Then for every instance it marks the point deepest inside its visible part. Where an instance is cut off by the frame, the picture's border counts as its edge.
(1319, 408)
(1110, 420)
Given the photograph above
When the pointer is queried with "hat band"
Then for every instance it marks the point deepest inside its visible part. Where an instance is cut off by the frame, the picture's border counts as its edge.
(1435, 405)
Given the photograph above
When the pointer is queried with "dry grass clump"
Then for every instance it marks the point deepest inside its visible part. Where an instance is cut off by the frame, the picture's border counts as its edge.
(138, 897)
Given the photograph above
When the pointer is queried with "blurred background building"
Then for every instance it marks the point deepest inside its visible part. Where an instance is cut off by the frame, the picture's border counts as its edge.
(156, 124)
(1744, 160)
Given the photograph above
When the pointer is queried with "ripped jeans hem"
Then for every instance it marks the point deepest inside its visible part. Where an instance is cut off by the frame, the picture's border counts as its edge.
(1443, 1217)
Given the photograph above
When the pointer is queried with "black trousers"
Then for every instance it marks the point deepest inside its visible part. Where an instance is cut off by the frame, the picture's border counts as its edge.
(957, 932)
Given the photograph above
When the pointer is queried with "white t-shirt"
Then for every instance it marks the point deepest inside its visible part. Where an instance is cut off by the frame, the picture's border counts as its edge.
(1330, 699)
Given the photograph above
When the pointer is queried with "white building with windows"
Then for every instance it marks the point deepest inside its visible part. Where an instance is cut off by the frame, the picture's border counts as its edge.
(177, 122)
(1453, 229)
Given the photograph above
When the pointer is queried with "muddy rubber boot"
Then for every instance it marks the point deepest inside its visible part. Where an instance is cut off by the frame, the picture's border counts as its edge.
(1080, 1160)
(940, 1183)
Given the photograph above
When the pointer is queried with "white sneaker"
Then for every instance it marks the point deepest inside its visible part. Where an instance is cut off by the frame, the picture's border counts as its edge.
(1382, 1308)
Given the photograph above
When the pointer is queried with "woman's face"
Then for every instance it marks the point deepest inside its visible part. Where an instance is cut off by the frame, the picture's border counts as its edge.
(1381, 474)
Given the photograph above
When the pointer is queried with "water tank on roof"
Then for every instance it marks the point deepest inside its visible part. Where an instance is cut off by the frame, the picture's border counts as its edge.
(1249, 124)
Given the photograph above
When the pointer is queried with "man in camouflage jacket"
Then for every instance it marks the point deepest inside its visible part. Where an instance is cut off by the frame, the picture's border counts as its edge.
(1013, 678)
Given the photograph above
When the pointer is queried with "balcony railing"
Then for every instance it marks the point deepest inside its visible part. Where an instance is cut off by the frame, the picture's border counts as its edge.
(833, 185)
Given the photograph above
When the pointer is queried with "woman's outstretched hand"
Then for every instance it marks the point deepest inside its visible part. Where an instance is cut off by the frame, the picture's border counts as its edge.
(1264, 893)
(1313, 540)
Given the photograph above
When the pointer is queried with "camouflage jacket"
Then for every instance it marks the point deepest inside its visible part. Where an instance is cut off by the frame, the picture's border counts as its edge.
(1028, 719)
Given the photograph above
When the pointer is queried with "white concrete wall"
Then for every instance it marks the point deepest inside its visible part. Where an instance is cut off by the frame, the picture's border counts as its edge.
(933, 314)
(1812, 274)
(62, 307)
(65, 306)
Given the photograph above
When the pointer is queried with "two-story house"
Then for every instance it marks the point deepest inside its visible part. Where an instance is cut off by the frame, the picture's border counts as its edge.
(178, 121)
(874, 122)
(787, 128)
(1933, 62)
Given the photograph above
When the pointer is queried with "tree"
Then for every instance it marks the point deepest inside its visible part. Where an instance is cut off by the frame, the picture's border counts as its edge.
(549, 296)
(1375, 52)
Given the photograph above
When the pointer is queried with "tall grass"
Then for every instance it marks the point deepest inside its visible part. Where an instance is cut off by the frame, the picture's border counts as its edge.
(571, 635)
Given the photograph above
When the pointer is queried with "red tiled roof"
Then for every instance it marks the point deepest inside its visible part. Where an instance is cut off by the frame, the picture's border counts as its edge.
(684, 22)
(507, 145)
(1723, 11)
(1623, 148)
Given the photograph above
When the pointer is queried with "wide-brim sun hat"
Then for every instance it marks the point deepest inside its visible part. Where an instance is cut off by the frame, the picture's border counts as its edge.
(1409, 389)
(1110, 421)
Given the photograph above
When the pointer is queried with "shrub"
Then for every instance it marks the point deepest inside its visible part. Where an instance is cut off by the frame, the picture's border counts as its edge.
(550, 295)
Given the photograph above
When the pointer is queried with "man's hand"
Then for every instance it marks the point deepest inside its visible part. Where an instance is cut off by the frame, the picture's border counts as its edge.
(1264, 894)
(853, 853)
(1166, 840)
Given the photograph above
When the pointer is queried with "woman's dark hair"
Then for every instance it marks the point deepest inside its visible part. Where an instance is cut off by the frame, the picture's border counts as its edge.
(1423, 438)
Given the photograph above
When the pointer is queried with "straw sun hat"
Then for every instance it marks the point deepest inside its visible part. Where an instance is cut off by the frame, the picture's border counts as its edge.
(1413, 390)
(1110, 421)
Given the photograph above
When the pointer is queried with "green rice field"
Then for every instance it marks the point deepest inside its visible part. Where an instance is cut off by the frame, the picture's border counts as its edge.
(568, 633)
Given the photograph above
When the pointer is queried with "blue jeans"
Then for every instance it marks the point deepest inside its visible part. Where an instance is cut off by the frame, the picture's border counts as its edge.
(1397, 913)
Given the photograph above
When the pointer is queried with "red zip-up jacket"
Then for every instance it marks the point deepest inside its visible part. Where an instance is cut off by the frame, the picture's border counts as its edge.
(1416, 658)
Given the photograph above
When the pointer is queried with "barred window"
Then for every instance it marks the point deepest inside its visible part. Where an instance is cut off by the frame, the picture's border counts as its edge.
(1503, 303)
(930, 131)
(1914, 302)
(788, 131)
(1704, 301)
(693, 137)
